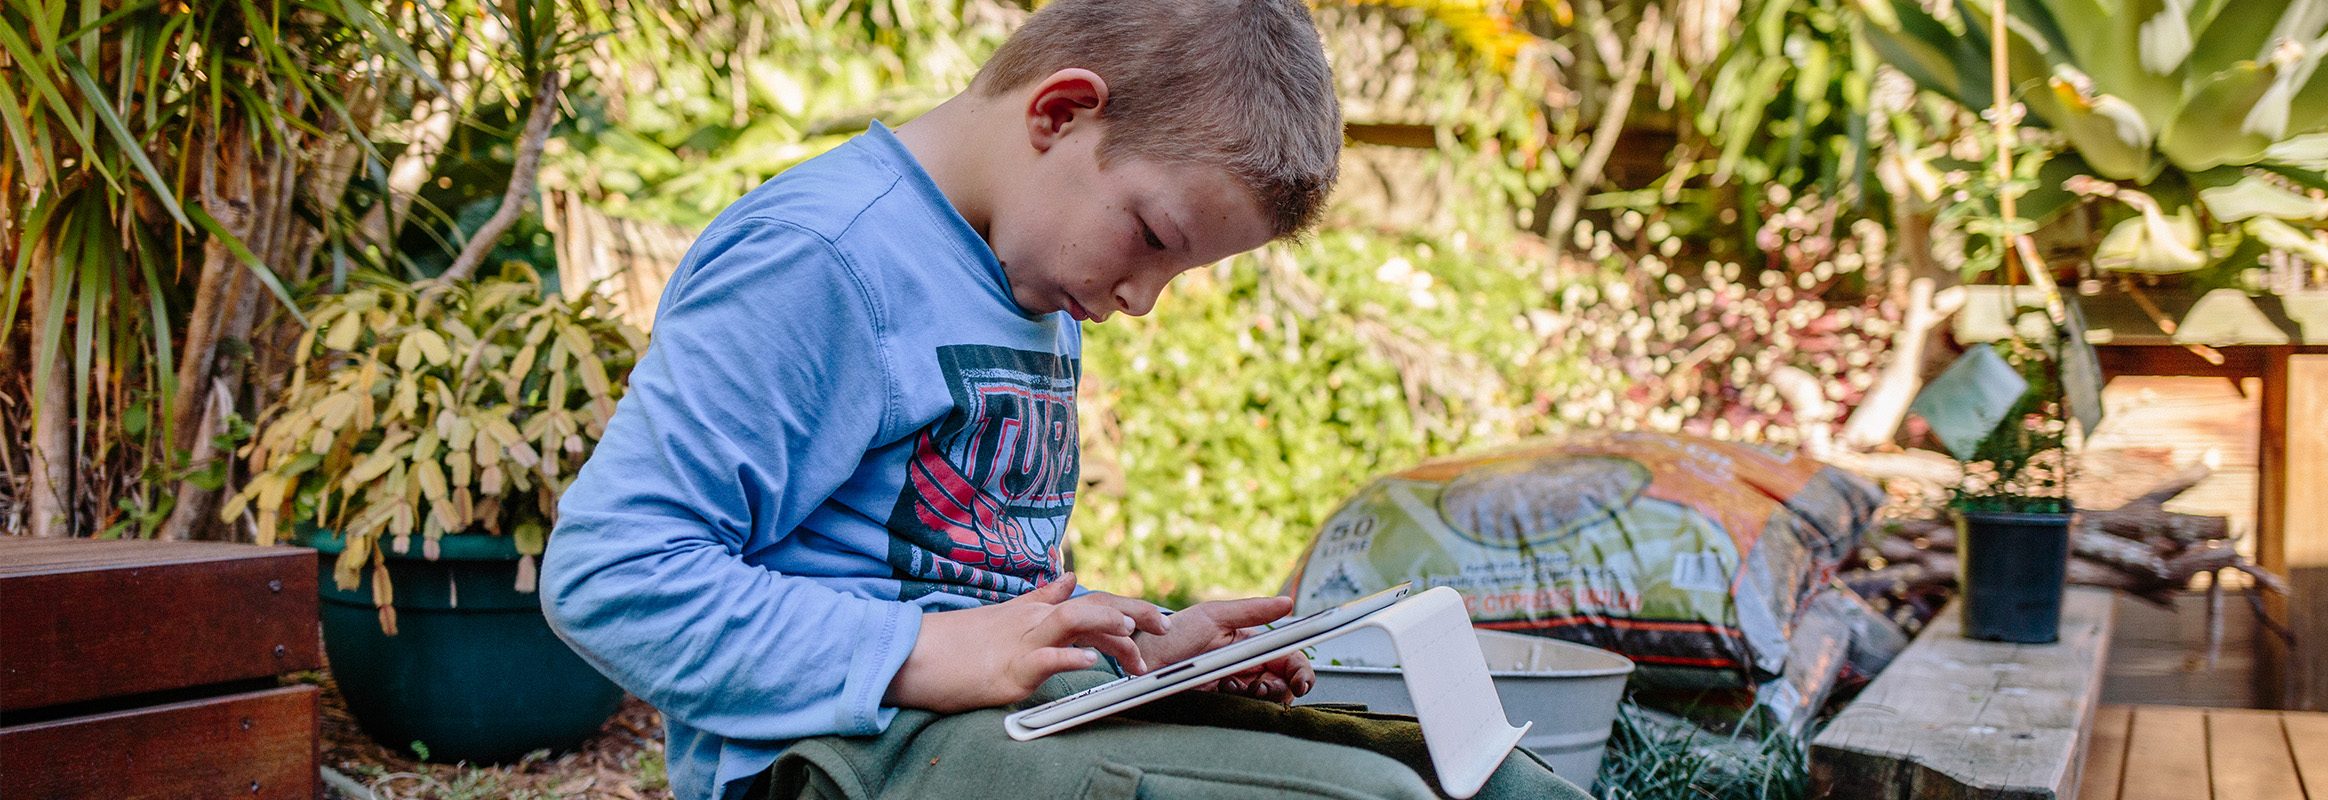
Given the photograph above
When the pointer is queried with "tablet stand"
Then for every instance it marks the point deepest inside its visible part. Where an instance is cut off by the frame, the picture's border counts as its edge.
(1464, 727)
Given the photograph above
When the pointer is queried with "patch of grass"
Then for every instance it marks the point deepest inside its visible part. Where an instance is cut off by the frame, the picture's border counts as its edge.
(1654, 756)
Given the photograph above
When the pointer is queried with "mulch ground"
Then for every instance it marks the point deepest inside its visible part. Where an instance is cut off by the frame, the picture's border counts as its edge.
(624, 760)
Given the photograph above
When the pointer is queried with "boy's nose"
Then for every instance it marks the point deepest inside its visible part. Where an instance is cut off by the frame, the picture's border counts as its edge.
(1136, 300)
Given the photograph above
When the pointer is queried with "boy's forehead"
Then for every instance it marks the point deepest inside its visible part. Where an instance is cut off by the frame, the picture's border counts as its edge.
(1195, 193)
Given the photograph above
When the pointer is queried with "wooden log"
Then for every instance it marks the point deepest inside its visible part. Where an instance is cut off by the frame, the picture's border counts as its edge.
(1954, 718)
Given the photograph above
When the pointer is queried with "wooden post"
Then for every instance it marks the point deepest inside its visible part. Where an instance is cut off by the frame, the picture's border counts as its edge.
(2293, 536)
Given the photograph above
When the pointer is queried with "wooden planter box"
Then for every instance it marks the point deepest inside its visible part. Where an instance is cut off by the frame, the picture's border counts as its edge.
(151, 669)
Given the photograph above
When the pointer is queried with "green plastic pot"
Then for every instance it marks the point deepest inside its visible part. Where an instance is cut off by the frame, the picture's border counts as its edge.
(473, 673)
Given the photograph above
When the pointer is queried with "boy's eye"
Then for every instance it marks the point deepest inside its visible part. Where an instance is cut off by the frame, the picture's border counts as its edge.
(1150, 235)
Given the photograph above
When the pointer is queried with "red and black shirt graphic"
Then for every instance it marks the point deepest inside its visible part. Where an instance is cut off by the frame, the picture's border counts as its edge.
(989, 487)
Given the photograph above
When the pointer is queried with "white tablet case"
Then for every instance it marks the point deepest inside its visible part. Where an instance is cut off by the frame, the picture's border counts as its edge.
(1464, 726)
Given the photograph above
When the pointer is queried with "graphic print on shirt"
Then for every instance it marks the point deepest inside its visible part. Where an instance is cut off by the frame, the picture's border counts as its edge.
(989, 487)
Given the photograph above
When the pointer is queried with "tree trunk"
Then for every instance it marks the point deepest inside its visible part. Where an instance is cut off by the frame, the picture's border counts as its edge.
(226, 195)
(225, 280)
(51, 482)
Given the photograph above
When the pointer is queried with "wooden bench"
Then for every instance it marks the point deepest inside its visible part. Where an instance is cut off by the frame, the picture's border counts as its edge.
(151, 669)
(1957, 719)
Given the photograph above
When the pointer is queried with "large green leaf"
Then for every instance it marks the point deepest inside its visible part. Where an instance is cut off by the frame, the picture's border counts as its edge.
(2306, 154)
(2253, 197)
(2122, 55)
(94, 98)
(2308, 106)
(1924, 49)
(2211, 129)
(2239, 32)
(2153, 243)
(2106, 130)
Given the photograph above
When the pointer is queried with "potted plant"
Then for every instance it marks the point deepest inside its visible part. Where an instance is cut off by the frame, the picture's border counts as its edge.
(420, 447)
(2012, 508)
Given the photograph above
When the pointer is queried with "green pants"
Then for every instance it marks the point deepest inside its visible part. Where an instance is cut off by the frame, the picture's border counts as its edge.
(1189, 745)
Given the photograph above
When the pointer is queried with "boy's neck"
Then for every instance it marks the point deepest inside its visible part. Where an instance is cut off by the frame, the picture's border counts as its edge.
(953, 144)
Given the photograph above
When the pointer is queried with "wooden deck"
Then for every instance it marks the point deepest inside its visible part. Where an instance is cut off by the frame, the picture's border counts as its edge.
(2175, 753)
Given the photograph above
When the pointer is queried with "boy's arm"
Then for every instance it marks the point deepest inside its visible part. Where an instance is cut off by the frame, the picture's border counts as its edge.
(763, 388)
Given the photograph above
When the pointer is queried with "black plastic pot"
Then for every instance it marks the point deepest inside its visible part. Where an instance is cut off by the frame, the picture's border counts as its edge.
(2012, 569)
(473, 672)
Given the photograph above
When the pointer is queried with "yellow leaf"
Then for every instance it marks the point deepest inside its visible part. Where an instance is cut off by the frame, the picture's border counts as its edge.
(463, 433)
(594, 376)
(431, 477)
(528, 537)
(343, 332)
(383, 593)
(232, 507)
(347, 572)
(408, 353)
(464, 506)
(432, 346)
(372, 467)
(336, 410)
(575, 340)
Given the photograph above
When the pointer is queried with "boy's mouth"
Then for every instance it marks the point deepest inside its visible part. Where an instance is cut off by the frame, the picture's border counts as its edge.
(1076, 310)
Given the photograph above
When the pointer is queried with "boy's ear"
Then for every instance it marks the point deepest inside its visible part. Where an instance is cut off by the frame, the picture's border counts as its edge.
(1068, 99)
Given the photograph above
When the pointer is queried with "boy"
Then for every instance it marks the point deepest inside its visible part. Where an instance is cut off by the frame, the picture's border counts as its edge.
(825, 522)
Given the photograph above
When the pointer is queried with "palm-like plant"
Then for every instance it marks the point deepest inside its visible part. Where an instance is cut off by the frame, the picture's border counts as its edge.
(174, 171)
(2208, 118)
(157, 158)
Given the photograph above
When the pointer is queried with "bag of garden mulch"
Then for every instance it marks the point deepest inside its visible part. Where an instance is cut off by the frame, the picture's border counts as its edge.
(1693, 557)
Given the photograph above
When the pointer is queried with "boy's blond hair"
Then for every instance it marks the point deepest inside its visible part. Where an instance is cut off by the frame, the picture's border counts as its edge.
(1239, 84)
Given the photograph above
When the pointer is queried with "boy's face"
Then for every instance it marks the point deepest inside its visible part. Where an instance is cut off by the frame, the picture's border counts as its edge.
(1093, 240)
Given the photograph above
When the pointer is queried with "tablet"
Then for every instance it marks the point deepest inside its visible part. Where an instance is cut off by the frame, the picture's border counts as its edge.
(1124, 693)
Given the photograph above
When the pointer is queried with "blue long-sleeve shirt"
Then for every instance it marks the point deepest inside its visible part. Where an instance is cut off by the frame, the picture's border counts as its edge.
(842, 421)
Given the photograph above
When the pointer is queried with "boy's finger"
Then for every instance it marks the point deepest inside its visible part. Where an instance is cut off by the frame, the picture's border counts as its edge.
(1048, 661)
(1093, 625)
(1250, 611)
(1144, 615)
(1121, 649)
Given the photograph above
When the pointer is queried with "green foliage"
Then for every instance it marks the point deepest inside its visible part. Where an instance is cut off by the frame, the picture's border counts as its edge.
(110, 120)
(683, 107)
(436, 409)
(2211, 116)
(1655, 758)
(2023, 464)
(1221, 431)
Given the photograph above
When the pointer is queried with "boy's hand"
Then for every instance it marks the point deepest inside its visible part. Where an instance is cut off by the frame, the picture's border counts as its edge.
(996, 655)
(1211, 625)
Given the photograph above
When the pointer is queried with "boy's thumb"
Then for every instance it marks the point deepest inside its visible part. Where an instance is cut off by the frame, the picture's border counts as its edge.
(1058, 590)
